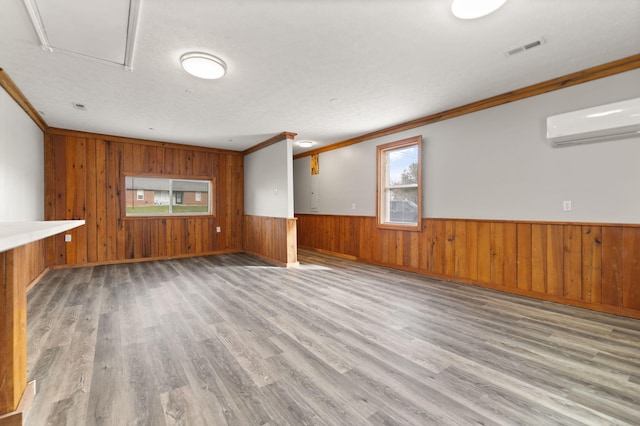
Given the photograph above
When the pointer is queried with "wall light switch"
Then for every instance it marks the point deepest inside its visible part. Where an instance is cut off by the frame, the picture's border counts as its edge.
(217, 229)
(353, 206)
(566, 206)
(67, 238)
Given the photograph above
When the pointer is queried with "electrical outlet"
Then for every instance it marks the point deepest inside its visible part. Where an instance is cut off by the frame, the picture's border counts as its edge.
(566, 206)
(217, 229)
(67, 238)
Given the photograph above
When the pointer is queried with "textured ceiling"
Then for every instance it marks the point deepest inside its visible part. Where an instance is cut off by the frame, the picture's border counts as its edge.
(328, 70)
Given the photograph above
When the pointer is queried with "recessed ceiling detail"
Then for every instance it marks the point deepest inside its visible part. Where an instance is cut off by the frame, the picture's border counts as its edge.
(100, 29)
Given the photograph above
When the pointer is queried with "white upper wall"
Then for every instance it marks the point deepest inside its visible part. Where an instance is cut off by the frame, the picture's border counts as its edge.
(21, 164)
(268, 181)
(497, 164)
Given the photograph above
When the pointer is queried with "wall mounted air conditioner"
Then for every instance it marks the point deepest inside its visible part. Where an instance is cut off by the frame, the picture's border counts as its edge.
(606, 122)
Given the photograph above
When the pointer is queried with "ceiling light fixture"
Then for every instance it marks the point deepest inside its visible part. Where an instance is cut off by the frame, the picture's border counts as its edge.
(203, 65)
(472, 9)
(305, 143)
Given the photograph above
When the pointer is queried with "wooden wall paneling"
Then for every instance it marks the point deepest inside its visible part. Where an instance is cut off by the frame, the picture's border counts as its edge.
(460, 249)
(124, 159)
(592, 263)
(523, 260)
(572, 267)
(49, 194)
(61, 195)
(612, 262)
(110, 201)
(631, 268)
(471, 249)
(130, 240)
(292, 245)
(539, 258)
(128, 163)
(497, 252)
(484, 252)
(412, 245)
(450, 248)
(91, 202)
(80, 206)
(555, 260)
(169, 237)
(19, 268)
(398, 242)
(510, 247)
(440, 232)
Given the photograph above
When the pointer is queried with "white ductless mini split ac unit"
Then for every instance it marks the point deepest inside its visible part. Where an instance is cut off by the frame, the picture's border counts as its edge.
(602, 123)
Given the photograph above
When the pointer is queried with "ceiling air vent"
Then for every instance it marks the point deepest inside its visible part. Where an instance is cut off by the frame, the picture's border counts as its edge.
(525, 47)
(79, 106)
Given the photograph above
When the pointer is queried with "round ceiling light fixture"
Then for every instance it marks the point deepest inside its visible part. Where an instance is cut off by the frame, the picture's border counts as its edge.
(203, 65)
(305, 143)
(472, 9)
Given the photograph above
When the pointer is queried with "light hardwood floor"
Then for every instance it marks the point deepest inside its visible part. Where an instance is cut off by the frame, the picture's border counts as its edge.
(232, 340)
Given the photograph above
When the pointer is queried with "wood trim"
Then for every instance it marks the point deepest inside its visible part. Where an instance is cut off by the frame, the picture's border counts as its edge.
(591, 266)
(19, 416)
(277, 138)
(122, 139)
(380, 164)
(10, 87)
(605, 70)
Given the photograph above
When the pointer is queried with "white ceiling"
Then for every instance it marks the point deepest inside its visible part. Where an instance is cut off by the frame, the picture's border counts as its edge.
(328, 70)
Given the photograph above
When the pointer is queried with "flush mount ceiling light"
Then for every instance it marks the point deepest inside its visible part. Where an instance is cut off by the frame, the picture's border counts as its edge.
(305, 143)
(203, 65)
(472, 9)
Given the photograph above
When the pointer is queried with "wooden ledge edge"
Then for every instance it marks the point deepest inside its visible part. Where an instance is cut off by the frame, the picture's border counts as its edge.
(19, 416)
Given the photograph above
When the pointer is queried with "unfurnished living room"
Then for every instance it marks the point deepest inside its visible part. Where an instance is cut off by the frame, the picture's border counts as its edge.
(320, 212)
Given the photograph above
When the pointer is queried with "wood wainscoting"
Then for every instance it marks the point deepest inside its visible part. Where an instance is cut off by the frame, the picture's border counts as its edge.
(595, 266)
(271, 238)
(19, 268)
(84, 178)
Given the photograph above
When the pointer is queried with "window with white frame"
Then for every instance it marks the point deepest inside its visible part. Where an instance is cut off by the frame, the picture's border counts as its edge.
(400, 184)
(140, 194)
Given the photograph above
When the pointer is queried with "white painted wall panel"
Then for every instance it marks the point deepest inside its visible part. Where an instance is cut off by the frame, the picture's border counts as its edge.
(497, 164)
(268, 180)
(21, 164)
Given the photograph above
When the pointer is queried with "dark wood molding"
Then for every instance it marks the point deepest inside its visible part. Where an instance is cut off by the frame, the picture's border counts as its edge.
(277, 138)
(10, 87)
(584, 76)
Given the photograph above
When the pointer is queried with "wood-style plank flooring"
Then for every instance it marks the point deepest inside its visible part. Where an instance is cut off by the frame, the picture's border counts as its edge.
(231, 340)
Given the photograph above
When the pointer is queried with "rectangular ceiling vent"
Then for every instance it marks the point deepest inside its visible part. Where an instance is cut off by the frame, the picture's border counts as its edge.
(525, 47)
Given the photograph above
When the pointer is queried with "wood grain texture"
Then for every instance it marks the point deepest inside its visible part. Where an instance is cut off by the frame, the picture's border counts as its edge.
(19, 267)
(232, 340)
(588, 265)
(590, 74)
(85, 180)
(275, 139)
(271, 238)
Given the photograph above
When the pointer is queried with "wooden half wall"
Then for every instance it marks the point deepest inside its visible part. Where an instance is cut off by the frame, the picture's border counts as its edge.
(84, 179)
(271, 238)
(594, 266)
(19, 268)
